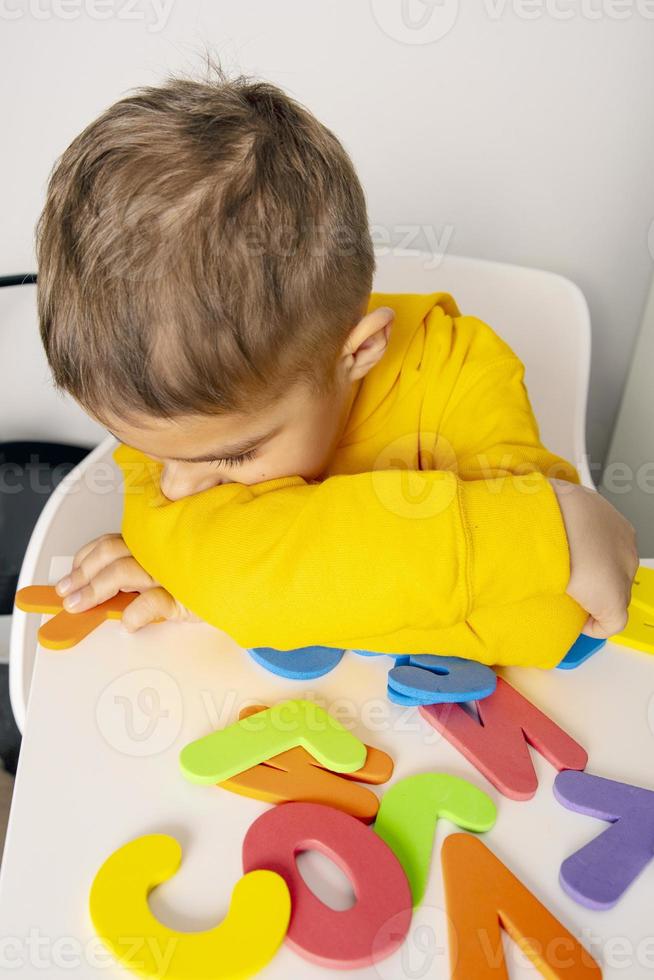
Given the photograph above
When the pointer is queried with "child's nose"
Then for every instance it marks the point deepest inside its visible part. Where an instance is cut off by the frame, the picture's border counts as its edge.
(180, 480)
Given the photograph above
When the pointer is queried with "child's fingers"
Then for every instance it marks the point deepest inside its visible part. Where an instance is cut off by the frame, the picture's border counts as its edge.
(92, 545)
(592, 628)
(616, 620)
(151, 606)
(607, 626)
(96, 555)
(123, 575)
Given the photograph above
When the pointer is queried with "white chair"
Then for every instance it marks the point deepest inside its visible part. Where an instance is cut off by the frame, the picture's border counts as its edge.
(31, 409)
(543, 316)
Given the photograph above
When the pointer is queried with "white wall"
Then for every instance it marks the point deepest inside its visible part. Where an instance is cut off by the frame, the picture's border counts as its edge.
(628, 477)
(523, 133)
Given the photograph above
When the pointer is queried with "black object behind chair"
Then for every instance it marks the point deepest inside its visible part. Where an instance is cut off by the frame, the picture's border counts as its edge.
(29, 472)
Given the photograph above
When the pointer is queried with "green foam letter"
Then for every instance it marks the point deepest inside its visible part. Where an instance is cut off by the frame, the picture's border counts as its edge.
(410, 809)
(255, 739)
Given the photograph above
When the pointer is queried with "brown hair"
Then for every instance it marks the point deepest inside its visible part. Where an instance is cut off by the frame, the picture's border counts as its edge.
(203, 245)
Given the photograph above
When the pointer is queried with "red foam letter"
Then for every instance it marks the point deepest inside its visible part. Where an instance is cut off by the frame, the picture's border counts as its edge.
(378, 922)
(498, 746)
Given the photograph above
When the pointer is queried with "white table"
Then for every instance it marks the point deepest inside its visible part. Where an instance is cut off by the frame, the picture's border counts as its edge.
(98, 767)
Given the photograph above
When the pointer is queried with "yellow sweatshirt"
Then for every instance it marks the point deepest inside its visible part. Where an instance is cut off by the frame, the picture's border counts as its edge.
(434, 531)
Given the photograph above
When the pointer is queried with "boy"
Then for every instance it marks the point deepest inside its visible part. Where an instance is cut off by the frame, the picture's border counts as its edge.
(305, 462)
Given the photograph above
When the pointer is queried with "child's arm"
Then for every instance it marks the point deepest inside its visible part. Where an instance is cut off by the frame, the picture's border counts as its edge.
(288, 564)
(375, 556)
(505, 438)
(388, 550)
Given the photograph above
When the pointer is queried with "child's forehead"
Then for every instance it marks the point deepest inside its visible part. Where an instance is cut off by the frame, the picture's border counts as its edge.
(200, 438)
(197, 441)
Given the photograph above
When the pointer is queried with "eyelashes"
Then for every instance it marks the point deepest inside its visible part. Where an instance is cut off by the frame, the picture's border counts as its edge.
(234, 460)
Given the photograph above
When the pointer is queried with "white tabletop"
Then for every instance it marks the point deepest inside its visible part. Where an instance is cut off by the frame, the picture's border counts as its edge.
(99, 767)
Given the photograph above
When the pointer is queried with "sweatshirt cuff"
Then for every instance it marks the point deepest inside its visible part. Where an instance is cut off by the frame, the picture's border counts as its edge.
(516, 539)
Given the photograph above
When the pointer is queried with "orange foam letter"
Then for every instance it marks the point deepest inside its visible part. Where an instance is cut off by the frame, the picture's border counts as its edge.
(482, 897)
(296, 776)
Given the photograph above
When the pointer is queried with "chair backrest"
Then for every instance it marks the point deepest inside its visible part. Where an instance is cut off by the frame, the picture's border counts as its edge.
(542, 316)
(87, 502)
(30, 405)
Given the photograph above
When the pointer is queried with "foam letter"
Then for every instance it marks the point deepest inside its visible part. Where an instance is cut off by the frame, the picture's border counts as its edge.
(379, 921)
(296, 776)
(409, 812)
(246, 743)
(597, 874)
(583, 648)
(303, 664)
(639, 631)
(642, 589)
(482, 896)
(65, 629)
(428, 679)
(498, 746)
(238, 947)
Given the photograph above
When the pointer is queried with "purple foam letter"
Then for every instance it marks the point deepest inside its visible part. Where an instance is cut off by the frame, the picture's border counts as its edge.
(597, 874)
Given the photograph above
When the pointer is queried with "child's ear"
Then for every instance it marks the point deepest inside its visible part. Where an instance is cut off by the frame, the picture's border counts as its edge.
(367, 342)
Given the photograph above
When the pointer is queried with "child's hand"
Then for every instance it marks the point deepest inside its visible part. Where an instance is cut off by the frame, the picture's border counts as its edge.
(104, 567)
(603, 557)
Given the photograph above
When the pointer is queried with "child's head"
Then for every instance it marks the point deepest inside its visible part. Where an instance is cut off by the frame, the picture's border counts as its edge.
(205, 266)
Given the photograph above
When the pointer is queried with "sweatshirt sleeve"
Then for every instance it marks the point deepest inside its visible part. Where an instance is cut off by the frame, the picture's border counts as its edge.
(504, 441)
(504, 438)
(286, 563)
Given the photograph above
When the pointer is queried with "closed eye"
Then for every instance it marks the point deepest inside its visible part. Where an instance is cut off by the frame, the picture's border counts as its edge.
(234, 460)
